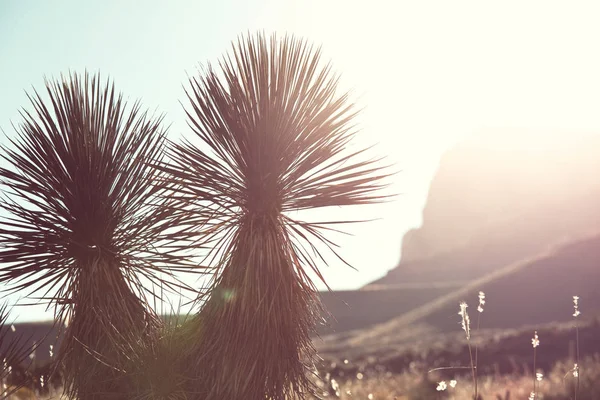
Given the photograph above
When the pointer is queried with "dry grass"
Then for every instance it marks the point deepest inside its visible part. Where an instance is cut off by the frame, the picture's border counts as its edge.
(377, 384)
(382, 385)
(376, 380)
(442, 377)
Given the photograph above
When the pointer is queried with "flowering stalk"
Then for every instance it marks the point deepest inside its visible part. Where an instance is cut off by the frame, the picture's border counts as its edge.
(576, 314)
(535, 342)
(479, 312)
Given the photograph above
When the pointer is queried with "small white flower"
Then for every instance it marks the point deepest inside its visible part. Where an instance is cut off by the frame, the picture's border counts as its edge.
(535, 341)
(42, 381)
(576, 370)
(336, 387)
(539, 376)
(334, 384)
(441, 386)
(532, 396)
(370, 396)
(481, 302)
(453, 383)
(576, 312)
(12, 328)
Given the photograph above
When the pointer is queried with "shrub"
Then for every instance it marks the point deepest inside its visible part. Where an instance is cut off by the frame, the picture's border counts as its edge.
(86, 216)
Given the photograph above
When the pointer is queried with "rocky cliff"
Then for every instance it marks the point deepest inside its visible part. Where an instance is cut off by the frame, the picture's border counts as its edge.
(500, 196)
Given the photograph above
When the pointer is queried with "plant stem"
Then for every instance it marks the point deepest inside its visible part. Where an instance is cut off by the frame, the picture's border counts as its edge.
(534, 377)
(475, 372)
(473, 367)
(577, 357)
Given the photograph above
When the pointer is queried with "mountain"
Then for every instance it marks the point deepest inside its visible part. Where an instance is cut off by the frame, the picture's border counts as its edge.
(501, 196)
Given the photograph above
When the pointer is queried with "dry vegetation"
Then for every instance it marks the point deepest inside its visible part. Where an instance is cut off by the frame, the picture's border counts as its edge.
(505, 361)
(557, 384)
(534, 362)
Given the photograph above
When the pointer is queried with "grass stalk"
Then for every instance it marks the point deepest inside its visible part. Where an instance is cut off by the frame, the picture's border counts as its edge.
(576, 314)
(535, 342)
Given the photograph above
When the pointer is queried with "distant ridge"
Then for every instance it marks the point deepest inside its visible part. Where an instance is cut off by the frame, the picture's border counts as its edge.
(533, 291)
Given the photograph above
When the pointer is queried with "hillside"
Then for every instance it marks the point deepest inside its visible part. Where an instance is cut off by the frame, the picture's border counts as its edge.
(356, 309)
(532, 293)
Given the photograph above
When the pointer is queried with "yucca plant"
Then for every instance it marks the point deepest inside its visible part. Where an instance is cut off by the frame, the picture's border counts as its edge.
(272, 135)
(87, 221)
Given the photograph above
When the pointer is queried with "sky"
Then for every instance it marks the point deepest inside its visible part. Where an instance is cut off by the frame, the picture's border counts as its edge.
(426, 74)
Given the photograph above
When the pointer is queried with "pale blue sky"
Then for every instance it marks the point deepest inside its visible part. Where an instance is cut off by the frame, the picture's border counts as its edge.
(427, 73)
